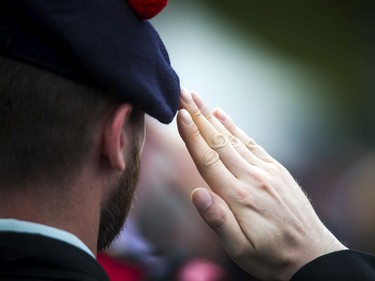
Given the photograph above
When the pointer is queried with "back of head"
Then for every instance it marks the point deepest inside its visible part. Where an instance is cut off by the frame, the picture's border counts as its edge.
(47, 121)
(47, 125)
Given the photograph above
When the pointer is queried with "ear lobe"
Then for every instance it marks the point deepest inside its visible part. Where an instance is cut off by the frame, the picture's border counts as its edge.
(113, 138)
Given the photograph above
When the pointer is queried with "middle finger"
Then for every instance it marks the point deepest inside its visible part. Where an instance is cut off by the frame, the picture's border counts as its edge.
(215, 139)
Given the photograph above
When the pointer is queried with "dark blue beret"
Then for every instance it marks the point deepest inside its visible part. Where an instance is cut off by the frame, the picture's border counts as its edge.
(101, 43)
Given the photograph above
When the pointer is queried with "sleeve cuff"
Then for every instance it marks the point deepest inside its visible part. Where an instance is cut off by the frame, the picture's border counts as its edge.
(340, 265)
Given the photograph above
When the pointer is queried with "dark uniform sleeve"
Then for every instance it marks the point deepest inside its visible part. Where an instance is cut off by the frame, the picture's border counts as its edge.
(341, 265)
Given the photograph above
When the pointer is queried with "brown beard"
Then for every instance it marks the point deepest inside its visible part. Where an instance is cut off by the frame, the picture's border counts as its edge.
(116, 209)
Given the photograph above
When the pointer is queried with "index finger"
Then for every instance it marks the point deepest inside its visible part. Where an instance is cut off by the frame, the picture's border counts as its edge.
(207, 160)
(229, 156)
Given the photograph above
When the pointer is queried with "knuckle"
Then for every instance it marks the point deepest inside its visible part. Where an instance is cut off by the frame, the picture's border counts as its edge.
(210, 116)
(216, 220)
(231, 126)
(195, 133)
(207, 113)
(240, 251)
(196, 113)
(266, 188)
(256, 176)
(218, 141)
(233, 140)
(275, 168)
(280, 168)
(241, 194)
(250, 143)
(210, 158)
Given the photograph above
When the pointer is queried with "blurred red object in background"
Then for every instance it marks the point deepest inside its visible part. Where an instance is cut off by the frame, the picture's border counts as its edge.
(118, 270)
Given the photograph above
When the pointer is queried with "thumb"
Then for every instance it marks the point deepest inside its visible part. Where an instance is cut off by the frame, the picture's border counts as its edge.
(202, 199)
(217, 214)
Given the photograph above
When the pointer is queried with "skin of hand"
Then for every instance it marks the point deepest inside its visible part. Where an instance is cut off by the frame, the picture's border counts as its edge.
(263, 218)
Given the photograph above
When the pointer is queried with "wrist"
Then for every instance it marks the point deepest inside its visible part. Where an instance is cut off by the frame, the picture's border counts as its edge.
(323, 244)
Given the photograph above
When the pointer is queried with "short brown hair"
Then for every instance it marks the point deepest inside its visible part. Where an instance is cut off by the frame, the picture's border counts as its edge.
(46, 125)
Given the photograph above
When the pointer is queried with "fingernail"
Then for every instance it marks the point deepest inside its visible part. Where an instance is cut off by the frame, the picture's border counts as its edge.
(186, 96)
(219, 113)
(185, 116)
(202, 199)
(198, 100)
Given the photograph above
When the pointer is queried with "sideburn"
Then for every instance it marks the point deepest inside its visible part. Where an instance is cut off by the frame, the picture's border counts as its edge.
(116, 209)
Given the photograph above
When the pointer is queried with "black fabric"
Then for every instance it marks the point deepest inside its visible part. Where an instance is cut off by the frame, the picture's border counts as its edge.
(101, 43)
(341, 266)
(39, 258)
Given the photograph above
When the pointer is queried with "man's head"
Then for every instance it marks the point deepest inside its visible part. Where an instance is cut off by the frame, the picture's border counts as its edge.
(48, 129)
(52, 129)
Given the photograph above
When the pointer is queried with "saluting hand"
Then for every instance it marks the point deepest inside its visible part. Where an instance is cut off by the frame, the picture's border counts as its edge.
(263, 218)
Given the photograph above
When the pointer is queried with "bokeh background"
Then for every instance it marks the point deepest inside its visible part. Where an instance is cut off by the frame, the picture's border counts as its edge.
(298, 77)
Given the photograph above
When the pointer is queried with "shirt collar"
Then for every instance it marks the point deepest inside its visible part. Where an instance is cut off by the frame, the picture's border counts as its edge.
(48, 231)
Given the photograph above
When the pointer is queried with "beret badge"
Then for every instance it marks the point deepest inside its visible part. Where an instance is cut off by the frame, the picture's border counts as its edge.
(147, 9)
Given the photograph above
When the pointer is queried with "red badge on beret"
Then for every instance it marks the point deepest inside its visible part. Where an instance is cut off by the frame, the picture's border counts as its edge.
(147, 9)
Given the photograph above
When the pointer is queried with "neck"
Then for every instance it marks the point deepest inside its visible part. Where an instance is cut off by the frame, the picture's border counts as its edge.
(77, 212)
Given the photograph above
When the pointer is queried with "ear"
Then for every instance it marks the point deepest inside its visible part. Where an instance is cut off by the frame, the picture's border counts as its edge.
(114, 138)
